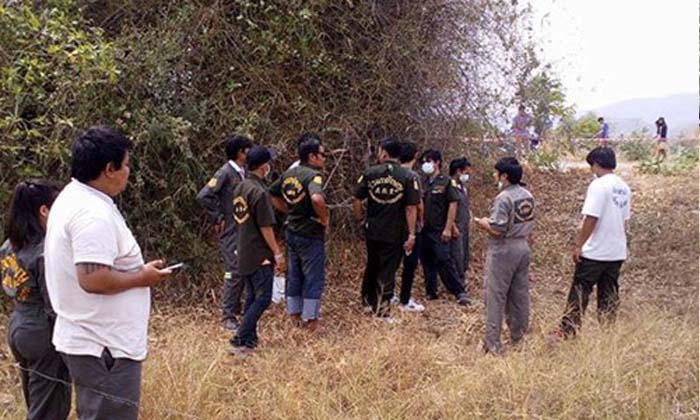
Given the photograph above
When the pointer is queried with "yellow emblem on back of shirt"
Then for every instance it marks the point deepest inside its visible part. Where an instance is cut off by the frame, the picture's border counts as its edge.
(212, 183)
(317, 180)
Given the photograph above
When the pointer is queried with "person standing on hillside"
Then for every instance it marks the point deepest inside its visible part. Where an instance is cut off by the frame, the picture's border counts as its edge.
(299, 194)
(520, 131)
(392, 195)
(97, 280)
(459, 246)
(509, 226)
(601, 243)
(217, 198)
(410, 260)
(258, 251)
(603, 132)
(661, 134)
(441, 197)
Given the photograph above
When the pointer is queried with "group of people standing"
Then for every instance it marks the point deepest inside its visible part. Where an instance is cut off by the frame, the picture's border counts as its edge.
(82, 287)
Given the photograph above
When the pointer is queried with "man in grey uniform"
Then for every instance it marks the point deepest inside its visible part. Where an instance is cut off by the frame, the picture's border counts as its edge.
(509, 226)
(459, 247)
(217, 198)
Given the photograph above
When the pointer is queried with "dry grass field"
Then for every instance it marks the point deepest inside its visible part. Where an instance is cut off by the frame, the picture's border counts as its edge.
(427, 366)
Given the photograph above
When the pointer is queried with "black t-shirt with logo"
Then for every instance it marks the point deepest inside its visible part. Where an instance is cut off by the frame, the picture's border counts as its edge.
(217, 198)
(252, 210)
(388, 188)
(296, 186)
(438, 193)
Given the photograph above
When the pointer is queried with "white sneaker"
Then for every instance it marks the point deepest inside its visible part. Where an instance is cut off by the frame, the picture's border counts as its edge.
(412, 306)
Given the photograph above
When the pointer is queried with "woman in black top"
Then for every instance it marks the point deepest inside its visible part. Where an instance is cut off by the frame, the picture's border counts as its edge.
(44, 376)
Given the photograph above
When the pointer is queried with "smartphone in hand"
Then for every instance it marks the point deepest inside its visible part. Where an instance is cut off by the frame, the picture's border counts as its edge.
(175, 268)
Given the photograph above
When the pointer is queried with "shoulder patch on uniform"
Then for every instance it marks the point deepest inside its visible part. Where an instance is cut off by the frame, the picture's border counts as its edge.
(212, 183)
(454, 183)
(317, 180)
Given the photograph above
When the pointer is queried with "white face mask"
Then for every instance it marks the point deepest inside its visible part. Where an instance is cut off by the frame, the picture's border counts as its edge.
(464, 178)
(500, 185)
(428, 168)
(267, 171)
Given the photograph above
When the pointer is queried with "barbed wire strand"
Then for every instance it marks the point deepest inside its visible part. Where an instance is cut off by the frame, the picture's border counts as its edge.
(115, 398)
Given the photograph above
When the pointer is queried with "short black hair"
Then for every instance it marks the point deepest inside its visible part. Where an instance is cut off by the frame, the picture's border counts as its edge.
(511, 167)
(433, 155)
(257, 157)
(23, 226)
(392, 146)
(408, 152)
(600, 119)
(603, 156)
(94, 149)
(304, 137)
(308, 147)
(459, 164)
(235, 144)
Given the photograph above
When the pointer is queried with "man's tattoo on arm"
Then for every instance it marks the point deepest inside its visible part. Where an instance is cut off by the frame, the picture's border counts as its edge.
(89, 268)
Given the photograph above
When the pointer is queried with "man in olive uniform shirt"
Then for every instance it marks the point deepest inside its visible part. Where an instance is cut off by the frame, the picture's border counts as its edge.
(509, 227)
(392, 194)
(258, 251)
(217, 198)
(459, 247)
(299, 193)
(440, 198)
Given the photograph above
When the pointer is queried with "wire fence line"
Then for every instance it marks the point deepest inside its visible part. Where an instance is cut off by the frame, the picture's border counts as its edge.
(111, 397)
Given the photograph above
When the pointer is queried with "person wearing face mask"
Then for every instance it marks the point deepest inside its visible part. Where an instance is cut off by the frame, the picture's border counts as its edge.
(601, 244)
(258, 251)
(410, 260)
(299, 194)
(392, 195)
(441, 197)
(509, 226)
(459, 246)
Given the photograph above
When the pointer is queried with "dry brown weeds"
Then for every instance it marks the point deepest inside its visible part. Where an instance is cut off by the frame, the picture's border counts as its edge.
(427, 367)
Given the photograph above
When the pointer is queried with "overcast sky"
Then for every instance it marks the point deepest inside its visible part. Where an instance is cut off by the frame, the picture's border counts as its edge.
(612, 50)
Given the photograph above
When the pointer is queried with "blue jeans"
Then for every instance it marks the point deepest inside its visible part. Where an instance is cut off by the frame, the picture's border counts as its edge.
(306, 260)
(259, 286)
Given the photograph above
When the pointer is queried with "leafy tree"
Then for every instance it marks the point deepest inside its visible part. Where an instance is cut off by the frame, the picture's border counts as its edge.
(543, 95)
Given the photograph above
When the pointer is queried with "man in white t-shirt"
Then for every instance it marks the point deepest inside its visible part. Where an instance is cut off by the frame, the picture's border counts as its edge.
(97, 280)
(601, 243)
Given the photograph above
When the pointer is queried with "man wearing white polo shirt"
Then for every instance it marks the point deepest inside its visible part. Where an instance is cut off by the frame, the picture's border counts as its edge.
(97, 280)
(601, 243)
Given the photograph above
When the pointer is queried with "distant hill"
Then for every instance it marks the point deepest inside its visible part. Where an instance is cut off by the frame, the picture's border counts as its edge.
(680, 112)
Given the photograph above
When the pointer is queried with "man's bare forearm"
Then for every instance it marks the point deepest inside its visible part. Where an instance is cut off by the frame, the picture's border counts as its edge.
(586, 230)
(269, 236)
(318, 202)
(411, 215)
(357, 209)
(104, 280)
(451, 214)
